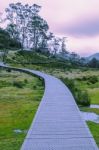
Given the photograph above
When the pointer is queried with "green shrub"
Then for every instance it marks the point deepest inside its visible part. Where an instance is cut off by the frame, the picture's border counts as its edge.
(18, 84)
(34, 87)
(90, 79)
(85, 78)
(8, 70)
(25, 81)
(93, 79)
(83, 98)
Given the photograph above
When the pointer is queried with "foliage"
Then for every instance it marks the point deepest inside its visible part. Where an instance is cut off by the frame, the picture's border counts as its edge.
(93, 79)
(42, 60)
(6, 41)
(18, 84)
(82, 98)
(90, 79)
(94, 63)
(26, 25)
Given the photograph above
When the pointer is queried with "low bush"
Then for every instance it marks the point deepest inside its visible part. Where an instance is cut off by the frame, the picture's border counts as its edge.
(8, 70)
(93, 79)
(25, 81)
(90, 79)
(34, 87)
(82, 98)
(18, 84)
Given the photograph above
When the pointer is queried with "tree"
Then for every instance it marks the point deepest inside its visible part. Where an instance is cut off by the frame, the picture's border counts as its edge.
(63, 46)
(26, 22)
(4, 39)
(74, 57)
(1, 18)
(38, 28)
(17, 16)
(6, 43)
(94, 63)
(56, 44)
(83, 61)
(12, 30)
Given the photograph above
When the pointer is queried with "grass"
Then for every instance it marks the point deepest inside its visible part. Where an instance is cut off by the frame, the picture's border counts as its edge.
(88, 109)
(17, 107)
(94, 128)
(94, 94)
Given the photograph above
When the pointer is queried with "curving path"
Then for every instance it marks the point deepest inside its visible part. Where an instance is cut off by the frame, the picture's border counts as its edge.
(58, 124)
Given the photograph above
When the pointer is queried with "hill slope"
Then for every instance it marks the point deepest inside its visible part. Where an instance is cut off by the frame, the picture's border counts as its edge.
(96, 55)
(38, 59)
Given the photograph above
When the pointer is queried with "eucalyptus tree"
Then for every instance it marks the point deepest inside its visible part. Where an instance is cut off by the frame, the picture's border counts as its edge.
(18, 15)
(75, 58)
(4, 39)
(12, 30)
(38, 28)
(56, 45)
(7, 42)
(63, 46)
(30, 26)
(4, 43)
(43, 32)
(1, 19)
(15, 15)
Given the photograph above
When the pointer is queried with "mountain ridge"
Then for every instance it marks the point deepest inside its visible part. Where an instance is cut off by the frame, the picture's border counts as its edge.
(95, 55)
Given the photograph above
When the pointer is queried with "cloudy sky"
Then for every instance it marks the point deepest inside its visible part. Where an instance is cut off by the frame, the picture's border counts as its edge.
(76, 19)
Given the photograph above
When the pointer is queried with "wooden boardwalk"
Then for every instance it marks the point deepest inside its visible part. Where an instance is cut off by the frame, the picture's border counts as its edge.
(58, 124)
